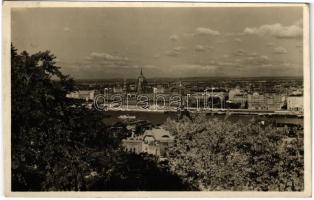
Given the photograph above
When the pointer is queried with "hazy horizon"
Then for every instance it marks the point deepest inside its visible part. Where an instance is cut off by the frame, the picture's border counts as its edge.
(191, 77)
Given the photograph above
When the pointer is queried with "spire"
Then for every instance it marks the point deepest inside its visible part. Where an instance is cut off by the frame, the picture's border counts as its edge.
(141, 71)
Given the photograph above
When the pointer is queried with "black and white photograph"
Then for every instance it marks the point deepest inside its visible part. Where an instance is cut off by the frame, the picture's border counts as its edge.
(163, 97)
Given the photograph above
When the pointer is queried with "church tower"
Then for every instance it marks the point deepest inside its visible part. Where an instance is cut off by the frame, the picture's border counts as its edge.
(140, 83)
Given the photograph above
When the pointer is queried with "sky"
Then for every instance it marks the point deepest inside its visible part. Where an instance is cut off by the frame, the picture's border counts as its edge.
(101, 43)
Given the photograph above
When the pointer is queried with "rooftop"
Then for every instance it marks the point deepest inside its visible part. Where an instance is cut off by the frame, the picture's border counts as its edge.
(159, 134)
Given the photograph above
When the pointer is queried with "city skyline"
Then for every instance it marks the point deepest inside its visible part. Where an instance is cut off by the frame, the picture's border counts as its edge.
(104, 43)
(157, 97)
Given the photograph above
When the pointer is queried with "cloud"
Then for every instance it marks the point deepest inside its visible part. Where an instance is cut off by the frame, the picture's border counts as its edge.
(199, 48)
(238, 40)
(66, 29)
(249, 58)
(178, 48)
(213, 62)
(226, 64)
(105, 56)
(247, 65)
(243, 59)
(206, 31)
(277, 30)
(252, 54)
(280, 50)
(172, 53)
(176, 51)
(256, 60)
(193, 68)
(174, 37)
(239, 52)
(105, 60)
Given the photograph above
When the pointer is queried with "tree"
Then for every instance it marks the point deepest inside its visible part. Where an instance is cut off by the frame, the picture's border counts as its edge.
(37, 110)
(51, 134)
(59, 145)
(222, 155)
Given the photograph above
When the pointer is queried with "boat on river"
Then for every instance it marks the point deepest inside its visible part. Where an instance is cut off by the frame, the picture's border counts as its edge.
(127, 117)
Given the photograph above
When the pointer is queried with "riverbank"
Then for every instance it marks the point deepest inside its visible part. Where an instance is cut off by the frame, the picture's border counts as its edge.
(159, 117)
(214, 111)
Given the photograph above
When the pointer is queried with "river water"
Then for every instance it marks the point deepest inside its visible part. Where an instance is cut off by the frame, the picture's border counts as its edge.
(158, 118)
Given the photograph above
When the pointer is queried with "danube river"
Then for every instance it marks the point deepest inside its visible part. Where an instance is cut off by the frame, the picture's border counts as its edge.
(158, 118)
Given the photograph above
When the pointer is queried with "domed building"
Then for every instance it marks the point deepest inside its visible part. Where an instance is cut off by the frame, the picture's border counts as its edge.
(155, 141)
(179, 89)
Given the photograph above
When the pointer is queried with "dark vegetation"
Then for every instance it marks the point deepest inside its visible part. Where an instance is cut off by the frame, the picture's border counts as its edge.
(59, 145)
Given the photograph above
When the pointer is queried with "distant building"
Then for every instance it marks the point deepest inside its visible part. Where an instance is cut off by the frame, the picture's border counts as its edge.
(217, 96)
(117, 88)
(82, 94)
(155, 142)
(132, 88)
(241, 99)
(295, 103)
(297, 92)
(267, 101)
(159, 89)
(237, 96)
(178, 89)
(125, 89)
(233, 92)
(141, 82)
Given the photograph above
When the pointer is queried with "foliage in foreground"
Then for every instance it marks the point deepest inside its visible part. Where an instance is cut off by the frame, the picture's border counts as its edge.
(220, 155)
(57, 145)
